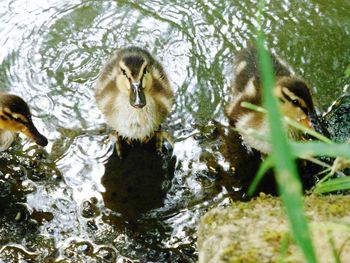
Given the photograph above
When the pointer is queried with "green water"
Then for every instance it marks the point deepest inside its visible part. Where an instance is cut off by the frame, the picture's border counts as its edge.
(78, 200)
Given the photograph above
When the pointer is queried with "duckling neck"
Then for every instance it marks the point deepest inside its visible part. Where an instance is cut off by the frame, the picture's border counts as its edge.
(257, 123)
(6, 139)
(134, 123)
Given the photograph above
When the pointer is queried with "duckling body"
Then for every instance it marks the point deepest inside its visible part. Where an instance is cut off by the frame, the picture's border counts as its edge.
(15, 117)
(6, 139)
(293, 96)
(133, 93)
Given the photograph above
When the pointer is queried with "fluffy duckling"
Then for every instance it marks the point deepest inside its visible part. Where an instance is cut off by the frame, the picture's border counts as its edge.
(293, 94)
(15, 117)
(134, 95)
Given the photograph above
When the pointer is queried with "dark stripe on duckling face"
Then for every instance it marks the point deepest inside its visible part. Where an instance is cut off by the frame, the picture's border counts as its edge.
(302, 96)
(137, 67)
(27, 127)
(14, 104)
(295, 102)
(299, 89)
(134, 63)
(9, 116)
(16, 116)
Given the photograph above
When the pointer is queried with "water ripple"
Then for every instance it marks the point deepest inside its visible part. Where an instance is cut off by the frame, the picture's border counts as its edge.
(51, 52)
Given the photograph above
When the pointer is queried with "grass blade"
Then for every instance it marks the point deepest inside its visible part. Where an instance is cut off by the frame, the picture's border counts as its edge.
(266, 165)
(321, 149)
(286, 173)
(336, 184)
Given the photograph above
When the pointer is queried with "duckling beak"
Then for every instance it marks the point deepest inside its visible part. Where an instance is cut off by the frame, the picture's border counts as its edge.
(32, 133)
(137, 96)
(315, 123)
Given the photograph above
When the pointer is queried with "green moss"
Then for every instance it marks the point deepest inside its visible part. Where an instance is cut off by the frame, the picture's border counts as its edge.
(254, 231)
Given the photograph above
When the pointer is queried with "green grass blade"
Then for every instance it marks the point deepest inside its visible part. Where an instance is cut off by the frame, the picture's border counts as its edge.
(253, 107)
(286, 173)
(289, 122)
(335, 184)
(266, 165)
(307, 130)
(321, 149)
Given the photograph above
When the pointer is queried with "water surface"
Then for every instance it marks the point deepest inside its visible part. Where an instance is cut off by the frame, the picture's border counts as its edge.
(75, 199)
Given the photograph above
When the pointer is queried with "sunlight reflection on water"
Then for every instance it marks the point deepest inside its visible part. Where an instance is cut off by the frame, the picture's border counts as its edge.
(51, 52)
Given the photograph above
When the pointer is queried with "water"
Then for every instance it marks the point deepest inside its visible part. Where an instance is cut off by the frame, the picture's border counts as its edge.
(75, 199)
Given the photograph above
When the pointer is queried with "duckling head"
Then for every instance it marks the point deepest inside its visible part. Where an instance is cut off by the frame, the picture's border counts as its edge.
(133, 75)
(296, 103)
(15, 117)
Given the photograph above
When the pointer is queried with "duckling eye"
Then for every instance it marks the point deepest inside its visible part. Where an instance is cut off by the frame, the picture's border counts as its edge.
(296, 102)
(144, 71)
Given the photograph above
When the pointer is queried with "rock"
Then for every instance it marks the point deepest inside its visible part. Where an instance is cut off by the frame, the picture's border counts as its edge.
(255, 231)
(337, 119)
(337, 122)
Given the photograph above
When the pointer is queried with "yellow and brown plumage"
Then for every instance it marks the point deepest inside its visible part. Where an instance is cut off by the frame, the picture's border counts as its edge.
(134, 94)
(293, 95)
(15, 117)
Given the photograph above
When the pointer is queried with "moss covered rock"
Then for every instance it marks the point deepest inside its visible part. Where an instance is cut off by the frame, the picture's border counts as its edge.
(257, 231)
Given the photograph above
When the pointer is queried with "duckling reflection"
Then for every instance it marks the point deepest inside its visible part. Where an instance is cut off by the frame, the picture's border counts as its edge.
(293, 94)
(15, 117)
(236, 168)
(138, 183)
(134, 95)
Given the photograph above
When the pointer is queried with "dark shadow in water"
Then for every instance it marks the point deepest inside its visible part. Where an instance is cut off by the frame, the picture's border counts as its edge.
(19, 223)
(244, 164)
(136, 183)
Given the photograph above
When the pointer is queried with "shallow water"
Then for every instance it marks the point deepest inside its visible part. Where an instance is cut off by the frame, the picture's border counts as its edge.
(75, 199)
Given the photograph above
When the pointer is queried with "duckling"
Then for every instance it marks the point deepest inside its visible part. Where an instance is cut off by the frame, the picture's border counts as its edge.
(134, 95)
(15, 117)
(293, 95)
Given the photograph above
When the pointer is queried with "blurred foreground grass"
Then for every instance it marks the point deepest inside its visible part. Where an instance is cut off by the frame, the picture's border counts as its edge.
(284, 153)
